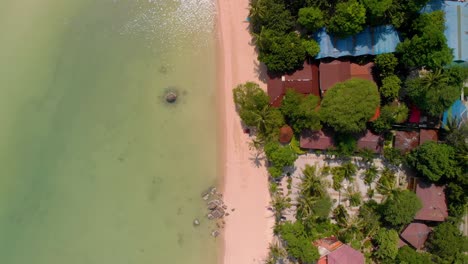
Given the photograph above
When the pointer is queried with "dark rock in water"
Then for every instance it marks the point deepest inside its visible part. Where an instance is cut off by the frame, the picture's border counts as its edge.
(213, 204)
(196, 222)
(214, 233)
(171, 97)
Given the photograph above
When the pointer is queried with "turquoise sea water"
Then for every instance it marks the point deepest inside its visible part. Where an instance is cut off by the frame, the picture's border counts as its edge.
(94, 166)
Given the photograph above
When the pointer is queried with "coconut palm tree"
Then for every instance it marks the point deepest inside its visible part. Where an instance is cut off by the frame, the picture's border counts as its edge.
(279, 204)
(312, 185)
(257, 9)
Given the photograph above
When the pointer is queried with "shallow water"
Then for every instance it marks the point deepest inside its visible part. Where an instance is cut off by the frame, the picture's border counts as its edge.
(94, 166)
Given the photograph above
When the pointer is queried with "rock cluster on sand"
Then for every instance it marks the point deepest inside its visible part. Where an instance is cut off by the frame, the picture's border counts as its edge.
(216, 208)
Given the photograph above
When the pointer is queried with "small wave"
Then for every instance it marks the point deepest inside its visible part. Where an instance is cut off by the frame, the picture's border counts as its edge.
(171, 21)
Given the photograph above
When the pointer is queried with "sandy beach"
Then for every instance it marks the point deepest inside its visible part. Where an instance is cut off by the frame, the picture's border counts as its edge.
(248, 229)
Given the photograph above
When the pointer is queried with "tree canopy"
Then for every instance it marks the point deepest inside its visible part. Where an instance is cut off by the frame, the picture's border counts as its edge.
(348, 105)
(386, 63)
(390, 87)
(252, 104)
(270, 14)
(401, 208)
(387, 241)
(311, 18)
(298, 244)
(301, 111)
(390, 114)
(280, 52)
(407, 255)
(434, 161)
(447, 242)
(349, 19)
(280, 157)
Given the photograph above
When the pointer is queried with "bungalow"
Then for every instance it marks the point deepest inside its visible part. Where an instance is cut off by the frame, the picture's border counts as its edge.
(433, 200)
(370, 141)
(405, 141)
(304, 81)
(415, 234)
(324, 139)
(332, 251)
(336, 71)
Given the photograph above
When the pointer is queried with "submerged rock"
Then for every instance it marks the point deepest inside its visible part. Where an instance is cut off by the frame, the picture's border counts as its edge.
(196, 222)
(171, 97)
(214, 233)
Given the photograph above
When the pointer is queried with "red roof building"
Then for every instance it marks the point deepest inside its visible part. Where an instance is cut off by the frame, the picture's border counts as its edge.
(332, 251)
(415, 234)
(321, 140)
(428, 135)
(370, 141)
(304, 81)
(337, 71)
(406, 140)
(433, 200)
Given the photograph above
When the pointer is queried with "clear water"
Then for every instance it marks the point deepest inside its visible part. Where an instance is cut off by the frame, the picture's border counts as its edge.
(95, 167)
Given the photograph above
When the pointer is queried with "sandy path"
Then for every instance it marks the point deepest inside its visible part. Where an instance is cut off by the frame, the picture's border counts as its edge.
(248, 229)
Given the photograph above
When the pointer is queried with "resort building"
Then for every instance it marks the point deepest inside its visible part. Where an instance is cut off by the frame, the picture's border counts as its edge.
(333, 251)
(415, 235)
(323, 140)
(335, 71)
(405, 141)
(304, 81)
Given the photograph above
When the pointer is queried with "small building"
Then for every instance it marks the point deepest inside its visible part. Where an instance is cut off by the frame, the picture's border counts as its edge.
(415, 234)
(370, 41)
(370, 141)
(304, 81)
(333, 251)
(405, 141)
(433, 201)
(320, 140)
(335, 71)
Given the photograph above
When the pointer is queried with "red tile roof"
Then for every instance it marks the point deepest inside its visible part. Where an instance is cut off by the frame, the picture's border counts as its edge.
(406, 140)
(316, 139)
(427, 135)
(370, 141)
(345, 255)
(304, 81)
(362, 71)
(433, 200)
(416, 234)
(333, 72)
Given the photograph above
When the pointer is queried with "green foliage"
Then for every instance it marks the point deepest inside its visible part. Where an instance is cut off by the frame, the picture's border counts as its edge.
(249, 99)
(341, 215)
(279, 204)
(311, 47)
(386, 182)
(403, 12)
(390, 87)
(369, 213)
(434, 161)
(349, 19)
(390, 114)
(401, 208)
(387, 241)
(376, 10)
(447, 242)
(370, 175)
(348, 105)
(270, 14)
(300, 111)
(355, 199)
(393, 156)
(434, 19)
(322, 207)
(434, 92)
(407, 255)
(280, 157)
(296, 147)
(311, 18)
(280, 52)
(297, 242)
(346, 145)
(386, 63)
(428, 49)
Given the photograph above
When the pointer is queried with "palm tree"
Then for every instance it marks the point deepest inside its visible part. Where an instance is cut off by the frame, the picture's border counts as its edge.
(370, 174)
(257, 9)
(268, 121)
(279, 204)
(349, 170)
(276, 253)
(311, 184)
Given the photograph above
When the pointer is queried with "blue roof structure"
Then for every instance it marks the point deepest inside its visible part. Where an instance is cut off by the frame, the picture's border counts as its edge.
(456, 25)
(371, 41)
(458, 112)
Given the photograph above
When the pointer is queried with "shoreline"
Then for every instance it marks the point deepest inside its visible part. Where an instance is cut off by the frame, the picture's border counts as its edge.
(249, 229)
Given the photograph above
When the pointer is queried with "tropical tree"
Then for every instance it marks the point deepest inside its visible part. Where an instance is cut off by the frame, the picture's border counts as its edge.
(348, 105)
(279, 203)
(280, 157)
(387, 241)
(434, 92)
(297, 241)
(249, 99)
(434, 161)
(281, 52)
(300, 111)
(311, 47)
(386, 63)
(390, 87)
(276, 253)
(447, 242)
(377, 10)
(311, 18)
(349, 19)
(270, 14)
(390, 114)
(407, 255)
(312, 185)
(370, 175)
(386, 182)
(401, 208)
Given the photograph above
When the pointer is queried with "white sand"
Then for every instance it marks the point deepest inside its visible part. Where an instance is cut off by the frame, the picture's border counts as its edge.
(248, 229)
